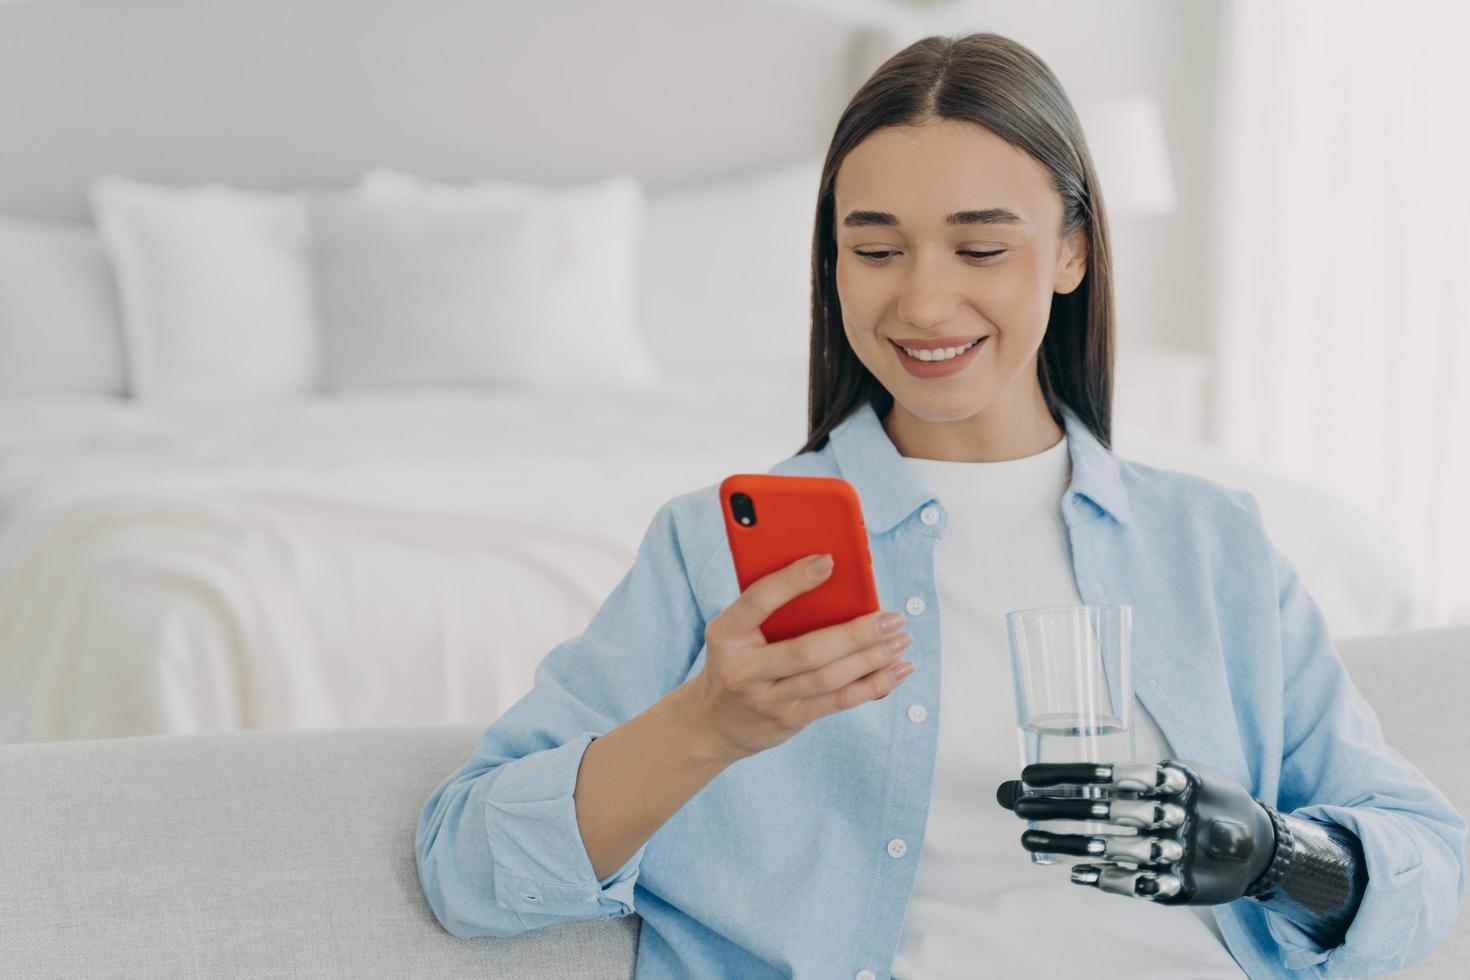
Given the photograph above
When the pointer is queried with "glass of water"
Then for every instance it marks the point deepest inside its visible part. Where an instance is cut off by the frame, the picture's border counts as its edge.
(1074, 698)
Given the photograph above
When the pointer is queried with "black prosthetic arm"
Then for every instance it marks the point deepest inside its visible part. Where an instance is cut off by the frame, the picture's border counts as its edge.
(1198, 839)
(1316, 878)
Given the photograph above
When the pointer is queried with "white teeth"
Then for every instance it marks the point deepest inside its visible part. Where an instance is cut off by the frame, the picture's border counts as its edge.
(943, 354)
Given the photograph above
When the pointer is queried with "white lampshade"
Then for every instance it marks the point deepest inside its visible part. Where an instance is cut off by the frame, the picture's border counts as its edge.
(1125, 135)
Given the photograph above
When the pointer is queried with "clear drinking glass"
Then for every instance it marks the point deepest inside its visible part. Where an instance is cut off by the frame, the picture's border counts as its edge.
(1074, 698)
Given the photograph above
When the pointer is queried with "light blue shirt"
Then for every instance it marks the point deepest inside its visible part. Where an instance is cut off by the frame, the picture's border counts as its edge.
(784, 865)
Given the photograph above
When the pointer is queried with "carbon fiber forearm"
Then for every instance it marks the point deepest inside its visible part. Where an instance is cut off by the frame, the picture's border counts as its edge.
(1316, 878)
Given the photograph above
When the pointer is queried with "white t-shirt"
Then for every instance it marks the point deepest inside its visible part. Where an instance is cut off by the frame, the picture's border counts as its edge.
(978, 903)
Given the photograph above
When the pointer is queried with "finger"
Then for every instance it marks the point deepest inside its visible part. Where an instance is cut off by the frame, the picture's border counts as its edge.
(1156, 886)
(1145, 814)
(1155, 778)
(820, 647)
(1134, 848)
(873, 687)
(770, 592)
(842, 671)
(1061, 808)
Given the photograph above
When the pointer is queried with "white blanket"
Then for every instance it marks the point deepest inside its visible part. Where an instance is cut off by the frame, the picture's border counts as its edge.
(403, 557)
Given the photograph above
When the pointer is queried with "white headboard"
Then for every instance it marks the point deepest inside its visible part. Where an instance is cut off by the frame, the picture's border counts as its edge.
(279, 94)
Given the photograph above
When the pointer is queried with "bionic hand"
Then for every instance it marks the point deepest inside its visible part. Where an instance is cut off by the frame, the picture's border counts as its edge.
(1201, 840)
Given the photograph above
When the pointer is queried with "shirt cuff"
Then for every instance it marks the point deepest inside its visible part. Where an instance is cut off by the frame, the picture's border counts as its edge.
(1391, 901)
(541, 862)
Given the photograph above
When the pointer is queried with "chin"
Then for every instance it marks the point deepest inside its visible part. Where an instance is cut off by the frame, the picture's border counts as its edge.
(948, 408)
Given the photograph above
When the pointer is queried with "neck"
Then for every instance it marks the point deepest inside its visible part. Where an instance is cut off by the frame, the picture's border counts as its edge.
(992, 435)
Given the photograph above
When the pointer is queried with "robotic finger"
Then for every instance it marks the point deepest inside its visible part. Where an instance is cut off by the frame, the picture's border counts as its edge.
(1134, 848)
(1144, 814)
(1123, 881)
(1162, 778)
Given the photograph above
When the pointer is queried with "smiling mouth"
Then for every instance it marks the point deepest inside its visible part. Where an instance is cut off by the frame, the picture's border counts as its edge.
(915, 354)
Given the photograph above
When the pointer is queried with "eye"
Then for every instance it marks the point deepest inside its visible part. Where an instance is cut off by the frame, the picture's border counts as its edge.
(882, 254)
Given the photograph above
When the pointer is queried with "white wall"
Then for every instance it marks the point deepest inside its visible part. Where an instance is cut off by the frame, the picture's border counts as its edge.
(285, 94)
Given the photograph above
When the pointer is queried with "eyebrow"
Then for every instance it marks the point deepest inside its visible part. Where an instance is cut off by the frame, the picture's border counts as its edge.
(983, 216)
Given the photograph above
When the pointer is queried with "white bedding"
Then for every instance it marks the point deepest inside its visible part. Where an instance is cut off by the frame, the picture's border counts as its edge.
(404, 557)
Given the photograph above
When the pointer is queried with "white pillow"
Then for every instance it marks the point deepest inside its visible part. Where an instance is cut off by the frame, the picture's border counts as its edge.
(215, 289)
(726, 269)
(591, 332)
(410, 295)
(59, 323)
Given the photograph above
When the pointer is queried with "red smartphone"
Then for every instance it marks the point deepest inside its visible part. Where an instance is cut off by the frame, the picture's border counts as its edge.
(772, 520)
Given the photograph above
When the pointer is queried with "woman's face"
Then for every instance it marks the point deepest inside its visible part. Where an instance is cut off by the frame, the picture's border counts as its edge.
(912, 205)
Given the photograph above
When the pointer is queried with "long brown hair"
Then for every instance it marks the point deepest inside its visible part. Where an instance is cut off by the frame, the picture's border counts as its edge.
(996, 83)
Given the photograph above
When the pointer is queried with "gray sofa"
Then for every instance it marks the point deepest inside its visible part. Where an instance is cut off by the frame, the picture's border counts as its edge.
(290, 854)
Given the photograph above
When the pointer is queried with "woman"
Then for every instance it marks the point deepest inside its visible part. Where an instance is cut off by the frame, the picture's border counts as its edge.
(769, 810)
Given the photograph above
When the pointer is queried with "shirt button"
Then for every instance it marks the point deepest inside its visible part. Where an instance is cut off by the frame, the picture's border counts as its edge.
(865, 975)
(917, 713)
(929, 515)
(897, 848)
(915, 605)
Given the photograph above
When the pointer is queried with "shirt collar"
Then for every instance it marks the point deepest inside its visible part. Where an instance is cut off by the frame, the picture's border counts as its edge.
(891, 490)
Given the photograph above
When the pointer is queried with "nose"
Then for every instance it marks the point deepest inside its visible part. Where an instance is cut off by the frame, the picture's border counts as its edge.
(927, 296)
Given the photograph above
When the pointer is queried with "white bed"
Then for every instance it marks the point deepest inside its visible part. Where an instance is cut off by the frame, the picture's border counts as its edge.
(399, 557)
(408, 555)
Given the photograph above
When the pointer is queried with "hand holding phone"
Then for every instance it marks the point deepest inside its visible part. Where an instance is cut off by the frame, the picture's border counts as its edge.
(753, 695)
(794, 646)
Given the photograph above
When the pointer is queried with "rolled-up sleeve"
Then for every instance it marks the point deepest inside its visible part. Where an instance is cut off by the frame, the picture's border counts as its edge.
(498, 845)
(1337, 768)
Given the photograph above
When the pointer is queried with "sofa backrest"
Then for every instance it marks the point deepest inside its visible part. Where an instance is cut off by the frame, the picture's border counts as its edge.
(248, 854)
(1418, 682)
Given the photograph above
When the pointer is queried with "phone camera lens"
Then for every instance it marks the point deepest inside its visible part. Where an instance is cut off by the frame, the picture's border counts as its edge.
(743, 508)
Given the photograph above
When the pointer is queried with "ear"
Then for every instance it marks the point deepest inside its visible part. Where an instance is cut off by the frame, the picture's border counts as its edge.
(1073, 264)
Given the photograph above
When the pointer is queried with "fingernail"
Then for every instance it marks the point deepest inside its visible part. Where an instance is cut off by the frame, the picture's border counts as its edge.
(819, 566)
(902, 669)
(899, 642)
(889, 622)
